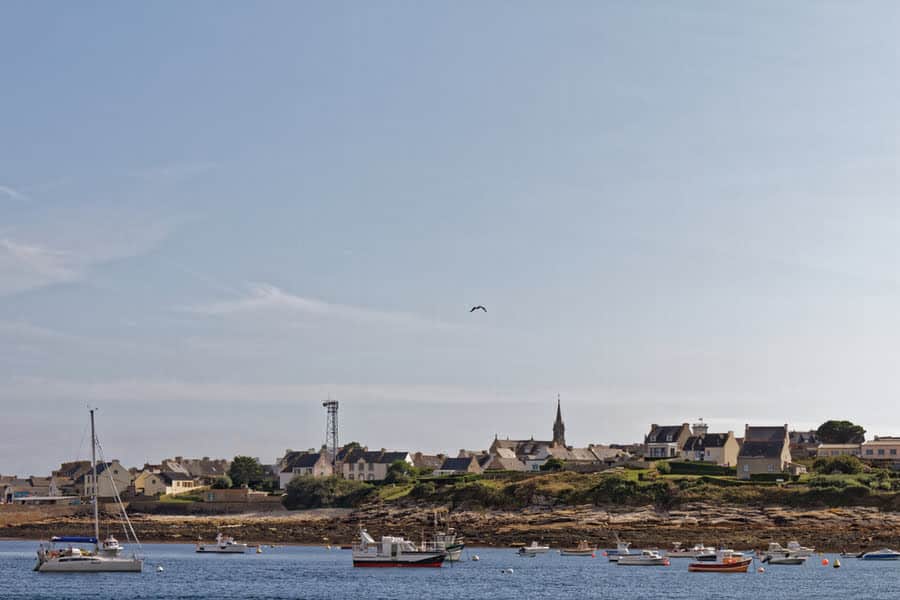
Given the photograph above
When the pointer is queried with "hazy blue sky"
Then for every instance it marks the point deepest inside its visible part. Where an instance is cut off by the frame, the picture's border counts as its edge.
(214, 215)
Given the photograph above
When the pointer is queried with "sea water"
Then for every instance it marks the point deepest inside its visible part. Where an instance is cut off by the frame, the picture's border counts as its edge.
(292, 572)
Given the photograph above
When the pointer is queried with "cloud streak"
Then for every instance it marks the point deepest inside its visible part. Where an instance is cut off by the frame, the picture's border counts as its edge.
(12, 193)
(266, 298)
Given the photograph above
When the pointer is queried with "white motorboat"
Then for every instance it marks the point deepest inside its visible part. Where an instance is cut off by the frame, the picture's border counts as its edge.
(647, 558)
(795, 548)
(620, 550)
(698, 551)
(224, 544)
(778, 555)
(883, 554)
(63, 554)
(395, 552)
(534, 548)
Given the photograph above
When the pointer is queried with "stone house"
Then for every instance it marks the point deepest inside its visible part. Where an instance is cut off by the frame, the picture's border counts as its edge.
(666, 441)
(717, 448)
(458, 466)
(882, 450)
(306, 464)
(765, 450)
(823, 450)
(163, 483)
(112, 477)
(365, 465)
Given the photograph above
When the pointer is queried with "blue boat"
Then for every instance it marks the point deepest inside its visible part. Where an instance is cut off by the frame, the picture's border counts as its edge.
(883, 554)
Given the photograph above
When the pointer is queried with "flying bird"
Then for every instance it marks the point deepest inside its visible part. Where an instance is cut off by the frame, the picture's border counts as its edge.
(479, 307)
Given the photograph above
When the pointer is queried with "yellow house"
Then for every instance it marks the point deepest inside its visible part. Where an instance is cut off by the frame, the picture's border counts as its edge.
(149, 483)
(112, 477)
(765, 450)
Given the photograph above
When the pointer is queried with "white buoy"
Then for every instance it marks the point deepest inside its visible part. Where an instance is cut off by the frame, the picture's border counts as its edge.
(506, 571)
(761, 570)
(475, 557)
(159, 569)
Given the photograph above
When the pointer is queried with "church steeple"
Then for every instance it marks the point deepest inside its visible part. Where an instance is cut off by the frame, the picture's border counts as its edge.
(559, 429)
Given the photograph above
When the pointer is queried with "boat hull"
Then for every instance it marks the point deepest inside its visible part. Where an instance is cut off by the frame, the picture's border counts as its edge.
(643, 562)
(406, 561)
(738, 566)
(91, 565)
(880, 557)
(221, 550)
(576, 552)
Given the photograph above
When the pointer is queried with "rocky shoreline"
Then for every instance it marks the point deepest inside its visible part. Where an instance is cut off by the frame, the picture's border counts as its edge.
(833, 530)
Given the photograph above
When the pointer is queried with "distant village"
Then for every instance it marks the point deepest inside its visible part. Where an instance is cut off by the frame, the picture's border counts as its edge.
(761, 452)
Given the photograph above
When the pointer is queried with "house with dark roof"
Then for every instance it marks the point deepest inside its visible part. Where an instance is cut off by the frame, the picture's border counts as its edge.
(163, 483)
(666, 441)
(362, 464)
(804, 444)
(429, 462)
(305, 464)
(717, 448)
(460, 465)
(112, 477)
(765, 450)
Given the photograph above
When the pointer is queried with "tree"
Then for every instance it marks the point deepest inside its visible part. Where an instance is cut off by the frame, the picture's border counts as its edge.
(222, 483)
(841, 432)
(552, 464)
(246, 470)
(400, 471)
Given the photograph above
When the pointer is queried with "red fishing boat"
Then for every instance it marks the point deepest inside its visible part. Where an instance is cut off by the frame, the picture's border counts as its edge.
(726, 562)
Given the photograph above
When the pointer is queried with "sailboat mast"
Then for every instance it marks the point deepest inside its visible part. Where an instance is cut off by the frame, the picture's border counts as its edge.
(94, 487)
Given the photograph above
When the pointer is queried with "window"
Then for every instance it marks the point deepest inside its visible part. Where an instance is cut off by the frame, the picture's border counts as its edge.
(746, 468)
(881, 452)
(371, 466)
(893, 452)
(771, 468)
(868, 452)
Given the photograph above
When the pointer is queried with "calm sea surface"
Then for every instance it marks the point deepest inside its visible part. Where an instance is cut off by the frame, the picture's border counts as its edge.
(294, 572)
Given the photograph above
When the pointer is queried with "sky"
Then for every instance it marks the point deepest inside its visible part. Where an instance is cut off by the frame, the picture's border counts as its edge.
(214, 216)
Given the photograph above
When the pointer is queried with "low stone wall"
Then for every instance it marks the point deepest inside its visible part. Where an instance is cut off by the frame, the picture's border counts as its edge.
(269, 505)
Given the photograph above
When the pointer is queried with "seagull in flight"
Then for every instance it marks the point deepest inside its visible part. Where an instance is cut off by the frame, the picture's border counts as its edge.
(479, 307)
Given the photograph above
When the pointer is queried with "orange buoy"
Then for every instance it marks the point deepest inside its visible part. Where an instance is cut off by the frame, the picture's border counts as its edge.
(824, 562)
(593, 555)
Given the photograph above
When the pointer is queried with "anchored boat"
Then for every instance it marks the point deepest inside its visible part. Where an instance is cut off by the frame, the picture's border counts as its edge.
(727, 561)
(224, 544)
(883, 554)
(63, 554)
(647, 558)
(394, 551)
(699, 551)
(534, 549)
(582, 549)
(620, 550)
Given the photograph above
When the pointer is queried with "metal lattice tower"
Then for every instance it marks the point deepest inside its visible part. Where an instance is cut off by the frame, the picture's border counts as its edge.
(331, 428)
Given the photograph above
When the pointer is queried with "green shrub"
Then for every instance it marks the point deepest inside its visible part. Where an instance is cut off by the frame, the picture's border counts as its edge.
(663, 467)
(319, 492)
(423, 489)
(849, 465)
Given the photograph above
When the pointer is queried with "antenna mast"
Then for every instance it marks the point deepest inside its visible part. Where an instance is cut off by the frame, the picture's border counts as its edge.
(331, 428)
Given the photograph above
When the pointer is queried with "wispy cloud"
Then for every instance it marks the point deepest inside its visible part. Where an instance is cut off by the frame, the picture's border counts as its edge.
(266, 298)
(27, 262)
(9, 192)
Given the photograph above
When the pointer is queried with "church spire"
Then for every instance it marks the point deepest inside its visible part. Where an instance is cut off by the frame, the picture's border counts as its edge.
(559, 429)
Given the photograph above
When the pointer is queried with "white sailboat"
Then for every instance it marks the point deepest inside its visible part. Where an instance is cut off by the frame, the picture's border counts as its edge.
(105, 557)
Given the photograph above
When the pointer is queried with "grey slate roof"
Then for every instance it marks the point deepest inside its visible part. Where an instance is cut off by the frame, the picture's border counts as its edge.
(664, 434)
(761, 449)
(458, 464)
(764, 434)
(698, 443)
